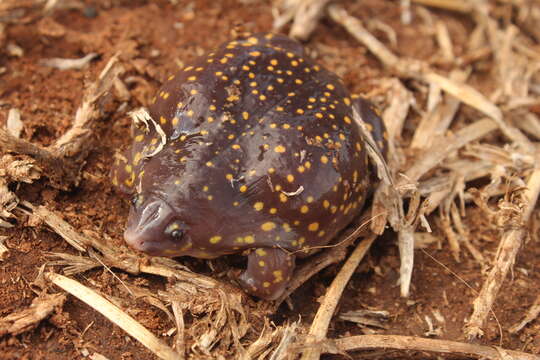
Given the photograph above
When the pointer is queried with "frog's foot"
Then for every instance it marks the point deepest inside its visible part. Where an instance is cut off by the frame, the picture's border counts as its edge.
(268, 272)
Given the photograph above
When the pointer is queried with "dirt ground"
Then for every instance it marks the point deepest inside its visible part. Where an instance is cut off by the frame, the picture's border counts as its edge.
(153, 38)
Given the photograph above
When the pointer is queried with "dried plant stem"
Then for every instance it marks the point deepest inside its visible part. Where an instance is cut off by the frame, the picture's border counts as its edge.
(27, 319)
(307, 18)
(180, 328)
(506, 255)
(363, 342)
(328, 257)
(454, 5)
(319, 327)
(356, 29)
(436, 153)
(115, 315)
(59, 171)
(532, 313)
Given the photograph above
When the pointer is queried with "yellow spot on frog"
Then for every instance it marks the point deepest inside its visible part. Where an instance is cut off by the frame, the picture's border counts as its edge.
(215, 239)
(139, 138)
(324, 159)
(304, 209)
(258, 206)
(268, 226)
(266, 284)
(260, 252)
(249, 239)
(245, 115)
(290, 178)
(243, 188)
(313, 226)
(273, 210)
(279, 149)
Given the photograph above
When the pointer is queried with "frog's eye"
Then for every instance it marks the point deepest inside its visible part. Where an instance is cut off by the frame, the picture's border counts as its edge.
(177, 234)
(175, 230)
(136, 200)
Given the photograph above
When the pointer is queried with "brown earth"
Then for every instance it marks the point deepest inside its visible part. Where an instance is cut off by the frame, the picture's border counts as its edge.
(153, 39)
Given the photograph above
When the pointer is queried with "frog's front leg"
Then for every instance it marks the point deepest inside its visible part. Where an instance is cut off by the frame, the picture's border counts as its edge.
(268, 272)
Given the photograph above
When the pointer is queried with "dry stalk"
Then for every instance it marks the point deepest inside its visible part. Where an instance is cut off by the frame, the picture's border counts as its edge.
(62, 162)
(462, 6)
(438, 152)
(506, 255)
(27, 319)
(307, 18)
(532, 313)
(319, 327)
(364, 342)
(180, 328)
(114, 314)
(332, 255)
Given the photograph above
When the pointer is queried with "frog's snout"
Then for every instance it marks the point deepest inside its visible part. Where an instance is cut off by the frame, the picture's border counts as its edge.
(146, 225)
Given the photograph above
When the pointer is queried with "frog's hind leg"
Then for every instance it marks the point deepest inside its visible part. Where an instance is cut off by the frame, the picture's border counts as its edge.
(268, 272)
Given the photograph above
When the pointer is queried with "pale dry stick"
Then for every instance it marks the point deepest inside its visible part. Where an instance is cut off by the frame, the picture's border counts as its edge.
(475, 99)
(436, 122)
(306, 18)
(333, 254)
(444, 40)
(77, 139)
(411, 343)
(114, 314)
(26, 319)
(319, 327)
(463, 6)
(57, 169)
(289, 8)
(420, 70)
(438, 152)
(394, 115)
(180, 328)
(355, 28)
(506, 255)
(532, 313)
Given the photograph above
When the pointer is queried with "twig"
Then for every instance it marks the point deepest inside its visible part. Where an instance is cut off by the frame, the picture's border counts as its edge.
(115, 315)
(506, 255)
(319, 327)
(437, 152)
(532, 314)
(77, 139)
(60, 172)
(24, 320)
(306, 18)
(362, 342)
(180, 328)
(463, 6)
(334, 254)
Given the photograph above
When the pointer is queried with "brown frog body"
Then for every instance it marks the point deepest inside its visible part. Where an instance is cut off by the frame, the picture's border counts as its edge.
(252, 149)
